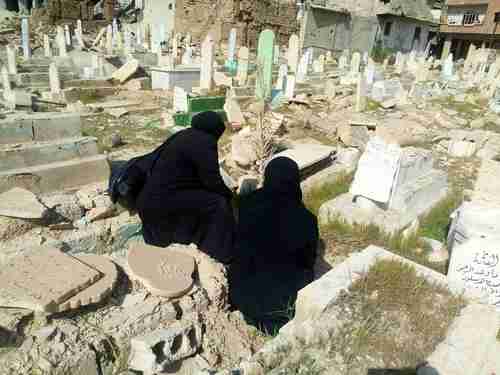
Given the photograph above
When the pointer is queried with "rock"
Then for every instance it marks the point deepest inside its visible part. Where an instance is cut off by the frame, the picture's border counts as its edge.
(99, 213)
(152, 352)
(22, 204)
(478, 123)
(439, 253)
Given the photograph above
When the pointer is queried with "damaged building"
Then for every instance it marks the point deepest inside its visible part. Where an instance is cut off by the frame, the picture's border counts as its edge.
(397, 25)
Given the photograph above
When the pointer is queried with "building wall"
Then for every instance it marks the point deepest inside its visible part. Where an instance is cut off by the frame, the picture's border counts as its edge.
(486, 9)
(327, 30)
(402, 34)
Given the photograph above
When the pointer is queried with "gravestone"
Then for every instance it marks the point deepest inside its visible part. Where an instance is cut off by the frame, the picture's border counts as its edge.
(22, 204)
(282, 73)
(400, 67)
(139, 36)
(127, 42)
(187, 57)
(365, 58)
(386, 90)
(355, 62)
(310, 56)
(180, 100)
(231, 49)
(302, 69)
(188, 40)
(316, 66)
(43, 278)
(385, 64)
(322, 62)
(265, 53)
(79, 34)
(7, 90)
(207, 62)
(25, 36)
(370, 72)
(290, 86)
(67, 35)
(109, 40)
(55, 83)
(276, 54)
(447, 69)
(293, 53)
(164, 273)
(475, 270)
(175, 46)
(114, 28)
(446, 50)
(361, 93)
(343, 62)
(47, 51)
(11, 59)
(242, 73)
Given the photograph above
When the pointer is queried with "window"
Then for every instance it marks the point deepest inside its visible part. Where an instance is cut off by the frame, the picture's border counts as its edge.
(471, 18)
(387, 28)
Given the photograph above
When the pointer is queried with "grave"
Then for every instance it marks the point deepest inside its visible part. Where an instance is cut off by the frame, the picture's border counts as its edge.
(391, 188)
(167, 78)
(310, 158)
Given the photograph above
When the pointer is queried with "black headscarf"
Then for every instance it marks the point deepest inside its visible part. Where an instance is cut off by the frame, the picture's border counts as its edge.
(209, 122)
(282, 179)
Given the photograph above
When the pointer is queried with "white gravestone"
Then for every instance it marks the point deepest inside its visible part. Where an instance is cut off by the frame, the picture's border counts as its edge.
(377, 171)
(370, 72)
(310, 54)
(6, 84)
(293, 53)
(46, 46)
(282, 73)
(55, 83)
(187, 57)
(276, 54)
(447, 70)
(109, 40)
(343, 62)
(61, 42)
(231, 49)
(25, 34)
(207, 63)
(355, 62)
(180, 100)
(11, 59)
(242, 73)
(302, 69)
(79, 34)
(67, 35)
(290, 86)
(475, 270)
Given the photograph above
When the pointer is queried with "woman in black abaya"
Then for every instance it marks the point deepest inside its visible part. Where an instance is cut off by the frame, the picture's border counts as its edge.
(185, 199)
(277, 243)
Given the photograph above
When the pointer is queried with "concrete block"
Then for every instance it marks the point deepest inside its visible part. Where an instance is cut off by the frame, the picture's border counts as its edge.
(32, 154)
(152, 352)
(57, 176)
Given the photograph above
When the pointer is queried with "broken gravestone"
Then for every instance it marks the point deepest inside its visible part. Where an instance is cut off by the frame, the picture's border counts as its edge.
(22, 204)
(164, 273)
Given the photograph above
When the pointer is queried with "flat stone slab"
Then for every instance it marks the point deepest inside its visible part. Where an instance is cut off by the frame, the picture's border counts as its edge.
(100, 289)
(163, 272)
(471, 346)
(42, 279)
(307, 155)
(22, 204)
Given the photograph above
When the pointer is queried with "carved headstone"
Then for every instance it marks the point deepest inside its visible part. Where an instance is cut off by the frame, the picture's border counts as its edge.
(242, 73)
(293, 53)
(265, 53)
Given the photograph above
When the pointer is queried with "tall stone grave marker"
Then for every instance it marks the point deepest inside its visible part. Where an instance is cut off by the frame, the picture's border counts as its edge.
(276, 54)
(290, 86)
(475, 270)
(446, 50)
(11, 59)
(175, 46)
(265, 58)
(282, 73)
(207, 62)
(187, 57)
(67, 35)
(302, 69)
(385, 64)
(231, 48)
(188, 40)
(47, 51)
(79, 34)
(293, 53)
(61, 42)
(242, 73)
(180, 100)
(109, 40)
(310, 56)
(343, 62)
(361, 93)
(139, 36)
(447, 69)
(25, 34)
(355, 62)
(7, 90)
(55, 83)
(370, 72)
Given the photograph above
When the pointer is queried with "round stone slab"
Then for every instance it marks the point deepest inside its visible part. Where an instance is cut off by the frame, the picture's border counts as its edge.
(164, 273)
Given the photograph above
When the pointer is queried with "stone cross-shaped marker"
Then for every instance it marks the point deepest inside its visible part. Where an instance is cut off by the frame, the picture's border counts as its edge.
(61, 42)
(25, 33)
(242, 73)
(55, 82)
(355, 62)
(109, 40)
(207, 63)
(302, 69)
(7, 90)
(46, 46)
(11, 59)
(293, 53)
(265, 58)
(282, 73)
(231, 48)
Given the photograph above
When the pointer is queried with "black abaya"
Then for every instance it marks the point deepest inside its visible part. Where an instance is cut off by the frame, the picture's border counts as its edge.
(277, 244)
(185, 199)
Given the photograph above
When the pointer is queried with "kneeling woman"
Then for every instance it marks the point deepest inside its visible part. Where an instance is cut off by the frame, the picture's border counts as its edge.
(185, 199)
(277, 245)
